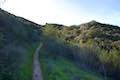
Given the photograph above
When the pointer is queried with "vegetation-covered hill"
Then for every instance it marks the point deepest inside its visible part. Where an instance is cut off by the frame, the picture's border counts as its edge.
(95, 45)
(89, 51)
(18, 40)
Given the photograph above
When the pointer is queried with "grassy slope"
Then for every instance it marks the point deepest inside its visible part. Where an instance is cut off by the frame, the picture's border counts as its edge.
(55, 67)
(63, 69)
(26, 69)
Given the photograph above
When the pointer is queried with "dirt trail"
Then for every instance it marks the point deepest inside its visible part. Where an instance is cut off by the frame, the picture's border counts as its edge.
(37, 75)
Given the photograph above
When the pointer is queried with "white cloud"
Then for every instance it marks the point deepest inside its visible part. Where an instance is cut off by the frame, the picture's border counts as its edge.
(54, 11)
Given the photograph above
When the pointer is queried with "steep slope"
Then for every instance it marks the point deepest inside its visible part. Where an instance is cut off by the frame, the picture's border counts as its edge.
(18, 40)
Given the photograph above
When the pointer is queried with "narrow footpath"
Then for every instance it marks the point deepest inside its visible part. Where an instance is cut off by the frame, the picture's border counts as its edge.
(37, 74)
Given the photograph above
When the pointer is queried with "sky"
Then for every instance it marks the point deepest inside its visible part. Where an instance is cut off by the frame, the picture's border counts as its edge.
(67, 12)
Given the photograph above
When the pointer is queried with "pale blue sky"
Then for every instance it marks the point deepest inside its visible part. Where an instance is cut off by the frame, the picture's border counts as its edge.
(67, 12)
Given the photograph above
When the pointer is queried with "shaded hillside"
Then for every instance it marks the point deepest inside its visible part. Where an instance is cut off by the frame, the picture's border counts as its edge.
(18, 38)
(60, 62)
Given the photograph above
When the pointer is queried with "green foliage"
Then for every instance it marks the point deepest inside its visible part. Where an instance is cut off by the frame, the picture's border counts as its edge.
(111, 59)
(50, 30)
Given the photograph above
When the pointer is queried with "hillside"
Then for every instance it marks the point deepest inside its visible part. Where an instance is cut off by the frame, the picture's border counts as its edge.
(89, 51)
(18, 40)
(95, 46)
